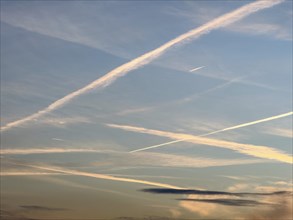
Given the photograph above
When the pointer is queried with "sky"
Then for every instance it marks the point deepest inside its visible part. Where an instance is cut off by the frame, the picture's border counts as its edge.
(146, 110)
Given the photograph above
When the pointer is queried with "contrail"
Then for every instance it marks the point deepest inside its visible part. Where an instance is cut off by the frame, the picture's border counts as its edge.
(254, 122)
(44, 151)
(27, 173)
(100, 176)
(183, 100)
(195, 69)
(218, 131)
(146, 58)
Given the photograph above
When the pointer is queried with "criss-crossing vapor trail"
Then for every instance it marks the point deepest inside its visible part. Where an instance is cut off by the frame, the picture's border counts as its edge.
(218, 131)
(146, 58)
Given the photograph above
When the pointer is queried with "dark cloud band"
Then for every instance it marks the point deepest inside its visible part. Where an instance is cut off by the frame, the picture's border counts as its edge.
(229, 202)
(41, 208)
(207, 192)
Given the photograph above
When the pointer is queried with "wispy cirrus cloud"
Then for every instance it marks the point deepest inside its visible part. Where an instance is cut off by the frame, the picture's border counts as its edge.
(288, 133)
(152, 159)
(180, 101)
(262, 25)
(63, 121)
(274, 30)
(146, 58)
(116, 158)
(248, 149)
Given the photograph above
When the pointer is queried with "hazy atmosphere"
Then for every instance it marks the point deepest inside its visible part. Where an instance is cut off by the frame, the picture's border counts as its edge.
(146, 110)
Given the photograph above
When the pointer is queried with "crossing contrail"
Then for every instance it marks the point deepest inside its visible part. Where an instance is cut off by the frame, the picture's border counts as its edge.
(218, 131)
(146, 58)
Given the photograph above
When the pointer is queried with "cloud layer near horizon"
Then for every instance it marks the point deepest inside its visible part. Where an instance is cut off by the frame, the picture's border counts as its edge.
(206, 203)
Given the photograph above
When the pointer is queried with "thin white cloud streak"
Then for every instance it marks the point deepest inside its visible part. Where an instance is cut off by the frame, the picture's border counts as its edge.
(273, 30)
(44, 151)
(153, 159)
(100, 176)
(254, 122)
(263, 25)
(195, 69)
(63, 121)
(145, 176)
(26, 173)
(61, 181)
(288, 133)
(218, 131)
(146, 58)
(220, 86)
(248, 149)
(183, 100)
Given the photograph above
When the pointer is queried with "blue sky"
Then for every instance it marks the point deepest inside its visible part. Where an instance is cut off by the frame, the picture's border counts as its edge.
(52, 164)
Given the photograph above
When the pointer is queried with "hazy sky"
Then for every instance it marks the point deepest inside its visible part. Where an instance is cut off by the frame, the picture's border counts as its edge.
(86, 83)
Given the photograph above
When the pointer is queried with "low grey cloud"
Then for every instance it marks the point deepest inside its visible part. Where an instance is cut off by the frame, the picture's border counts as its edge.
(41, 208)
(229, 202)
(13, 214)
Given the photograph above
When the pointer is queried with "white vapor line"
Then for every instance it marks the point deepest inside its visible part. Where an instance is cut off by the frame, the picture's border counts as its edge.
(184, 100)
(195, 69)
(218, 131)
(25, 173)
(198, 95)
(254, 122)
(146, 58)
(44, 151)
(100, 176)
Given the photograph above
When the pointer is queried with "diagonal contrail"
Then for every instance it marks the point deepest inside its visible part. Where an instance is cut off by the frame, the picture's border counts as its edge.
(45, 151)
(218, 131)
(99, 176)
(146, 58)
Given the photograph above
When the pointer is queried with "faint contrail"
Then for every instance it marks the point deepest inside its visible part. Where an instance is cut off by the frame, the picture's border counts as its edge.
(254, 122)
(28, 173)
(144, 59)
(195, 69)
(44, 151)
(218, 131)
(183, 100)
(99, 176)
